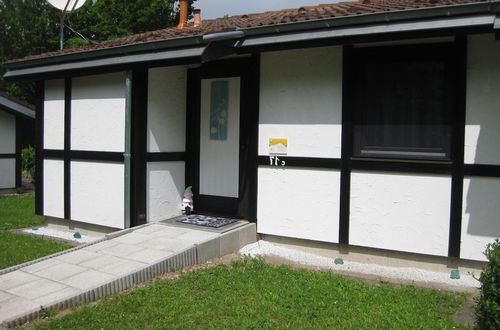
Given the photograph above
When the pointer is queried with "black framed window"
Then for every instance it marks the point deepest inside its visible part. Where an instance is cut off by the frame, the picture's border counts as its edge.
(402, 102)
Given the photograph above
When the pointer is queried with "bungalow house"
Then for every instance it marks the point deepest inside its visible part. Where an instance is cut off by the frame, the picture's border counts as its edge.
(372, 124)
(16, 131)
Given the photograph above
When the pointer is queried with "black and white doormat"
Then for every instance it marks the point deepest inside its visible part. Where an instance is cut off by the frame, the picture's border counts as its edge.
(206, 221)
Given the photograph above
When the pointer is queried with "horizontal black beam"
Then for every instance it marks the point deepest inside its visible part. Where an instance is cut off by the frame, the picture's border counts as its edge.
(85, 155)
(165, 156)
(482, 170)
(401, 166)
(286, 161)
(8, 156)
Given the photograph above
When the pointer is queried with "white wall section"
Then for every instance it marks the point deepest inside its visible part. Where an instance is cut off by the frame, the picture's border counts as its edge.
(399, 211)
(167, 109)
(98, 113)
(480, 216)
(7, 133)
(53, 115)
(220, 159)
(165, 185)
(97, 193)
(7, 173)
(299, 203)
(301, 99)
(482, 131)
(53, 188)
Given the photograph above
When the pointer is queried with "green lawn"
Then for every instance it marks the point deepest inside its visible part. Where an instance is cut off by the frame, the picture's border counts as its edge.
(19, 212)
(251, 294)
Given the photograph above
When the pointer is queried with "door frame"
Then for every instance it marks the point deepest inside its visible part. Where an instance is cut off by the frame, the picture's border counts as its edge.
(248, 70)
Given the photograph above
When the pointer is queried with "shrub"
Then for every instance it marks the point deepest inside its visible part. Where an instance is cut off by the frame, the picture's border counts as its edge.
(488, 303)
(28, 161)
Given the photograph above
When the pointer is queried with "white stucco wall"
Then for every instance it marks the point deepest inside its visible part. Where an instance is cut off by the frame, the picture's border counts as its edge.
(7, 173)
(97, 193)
(98, 113)
(480, 216)
(399, 211)
(53, 115)
(299, 203)
(301, 99)
(165, 185)
(53, 188)
(482, 131)
(7, 133)
(167, 109)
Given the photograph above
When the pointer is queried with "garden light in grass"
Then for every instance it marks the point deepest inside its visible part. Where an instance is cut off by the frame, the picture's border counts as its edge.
(34, 228)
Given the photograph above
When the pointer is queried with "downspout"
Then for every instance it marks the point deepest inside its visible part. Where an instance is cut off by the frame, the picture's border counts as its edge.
(128, 147)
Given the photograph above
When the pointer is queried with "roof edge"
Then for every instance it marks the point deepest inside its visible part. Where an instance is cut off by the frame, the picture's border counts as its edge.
(16, 108)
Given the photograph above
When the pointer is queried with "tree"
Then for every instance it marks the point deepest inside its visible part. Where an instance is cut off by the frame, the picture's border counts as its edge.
(30, 27)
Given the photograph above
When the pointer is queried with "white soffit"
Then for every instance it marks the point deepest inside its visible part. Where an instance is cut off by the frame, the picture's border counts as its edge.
(372, 29)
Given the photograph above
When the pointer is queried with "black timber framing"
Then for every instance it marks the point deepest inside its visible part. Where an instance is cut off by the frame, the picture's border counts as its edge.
(67, 148)
(40, 97)
(139, 147)
(165, 156)
(457, 145)
(19, 132)
(312, 162)
(106, 156)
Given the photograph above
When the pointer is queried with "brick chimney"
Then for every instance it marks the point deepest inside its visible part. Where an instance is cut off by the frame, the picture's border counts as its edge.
(197, 17)
(183, 14)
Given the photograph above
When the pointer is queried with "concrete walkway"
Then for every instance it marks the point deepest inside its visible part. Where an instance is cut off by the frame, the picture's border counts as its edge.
(122, 260)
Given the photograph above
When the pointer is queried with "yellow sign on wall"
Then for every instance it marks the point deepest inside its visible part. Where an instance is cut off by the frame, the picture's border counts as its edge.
(278, 146)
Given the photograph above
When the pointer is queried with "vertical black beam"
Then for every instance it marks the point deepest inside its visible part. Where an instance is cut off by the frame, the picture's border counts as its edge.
(139, 147)
(347, 137)
(192, 171)
(67, 148)
(19, 132)
(40, 97)
(457, 73)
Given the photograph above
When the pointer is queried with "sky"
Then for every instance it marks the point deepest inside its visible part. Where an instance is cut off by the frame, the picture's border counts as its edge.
(219, 8)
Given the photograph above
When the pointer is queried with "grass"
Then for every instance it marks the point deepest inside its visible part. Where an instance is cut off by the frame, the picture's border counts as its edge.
(251, 294)
(19, 212)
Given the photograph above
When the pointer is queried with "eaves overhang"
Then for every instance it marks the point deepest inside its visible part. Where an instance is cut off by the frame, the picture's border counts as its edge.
(483, 14)
(16, 108)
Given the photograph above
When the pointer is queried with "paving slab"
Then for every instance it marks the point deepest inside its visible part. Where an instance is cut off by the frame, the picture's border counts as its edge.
(124, 259)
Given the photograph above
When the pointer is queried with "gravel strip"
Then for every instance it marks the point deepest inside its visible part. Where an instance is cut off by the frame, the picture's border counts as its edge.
(58, 234)
(264, 248)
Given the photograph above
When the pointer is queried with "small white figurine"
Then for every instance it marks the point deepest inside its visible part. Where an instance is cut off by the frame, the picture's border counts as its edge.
(187, 201)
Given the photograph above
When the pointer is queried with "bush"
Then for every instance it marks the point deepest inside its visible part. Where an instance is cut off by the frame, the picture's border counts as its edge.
(28, 161)
(488, 303)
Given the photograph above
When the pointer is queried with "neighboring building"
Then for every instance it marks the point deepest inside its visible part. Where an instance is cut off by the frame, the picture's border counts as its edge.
(17, 123)
(372, 124)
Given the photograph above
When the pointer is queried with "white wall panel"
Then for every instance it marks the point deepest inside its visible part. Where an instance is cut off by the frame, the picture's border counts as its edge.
(53, 188)
(480, 218)
(53, 115)
(482, 131)
(301, 99)
(167, 109)
(98, 113)
(165, 186)
(398, 211)
(299, 203)
(97, 193)
(7, 173)
(7, 133)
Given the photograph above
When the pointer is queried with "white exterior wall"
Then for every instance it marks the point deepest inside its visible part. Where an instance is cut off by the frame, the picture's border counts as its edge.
(480, 216)
(167, 109)
(299, 203)
(165, 182)
(53, 188)
(301, 99)
(166, 133)
(482, 131)
(7, 146)
(53, 115)
(98, 113)
(399, 211)
(97, 193)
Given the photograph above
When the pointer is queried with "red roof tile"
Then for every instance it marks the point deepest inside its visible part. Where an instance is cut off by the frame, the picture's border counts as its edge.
(305, 13)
